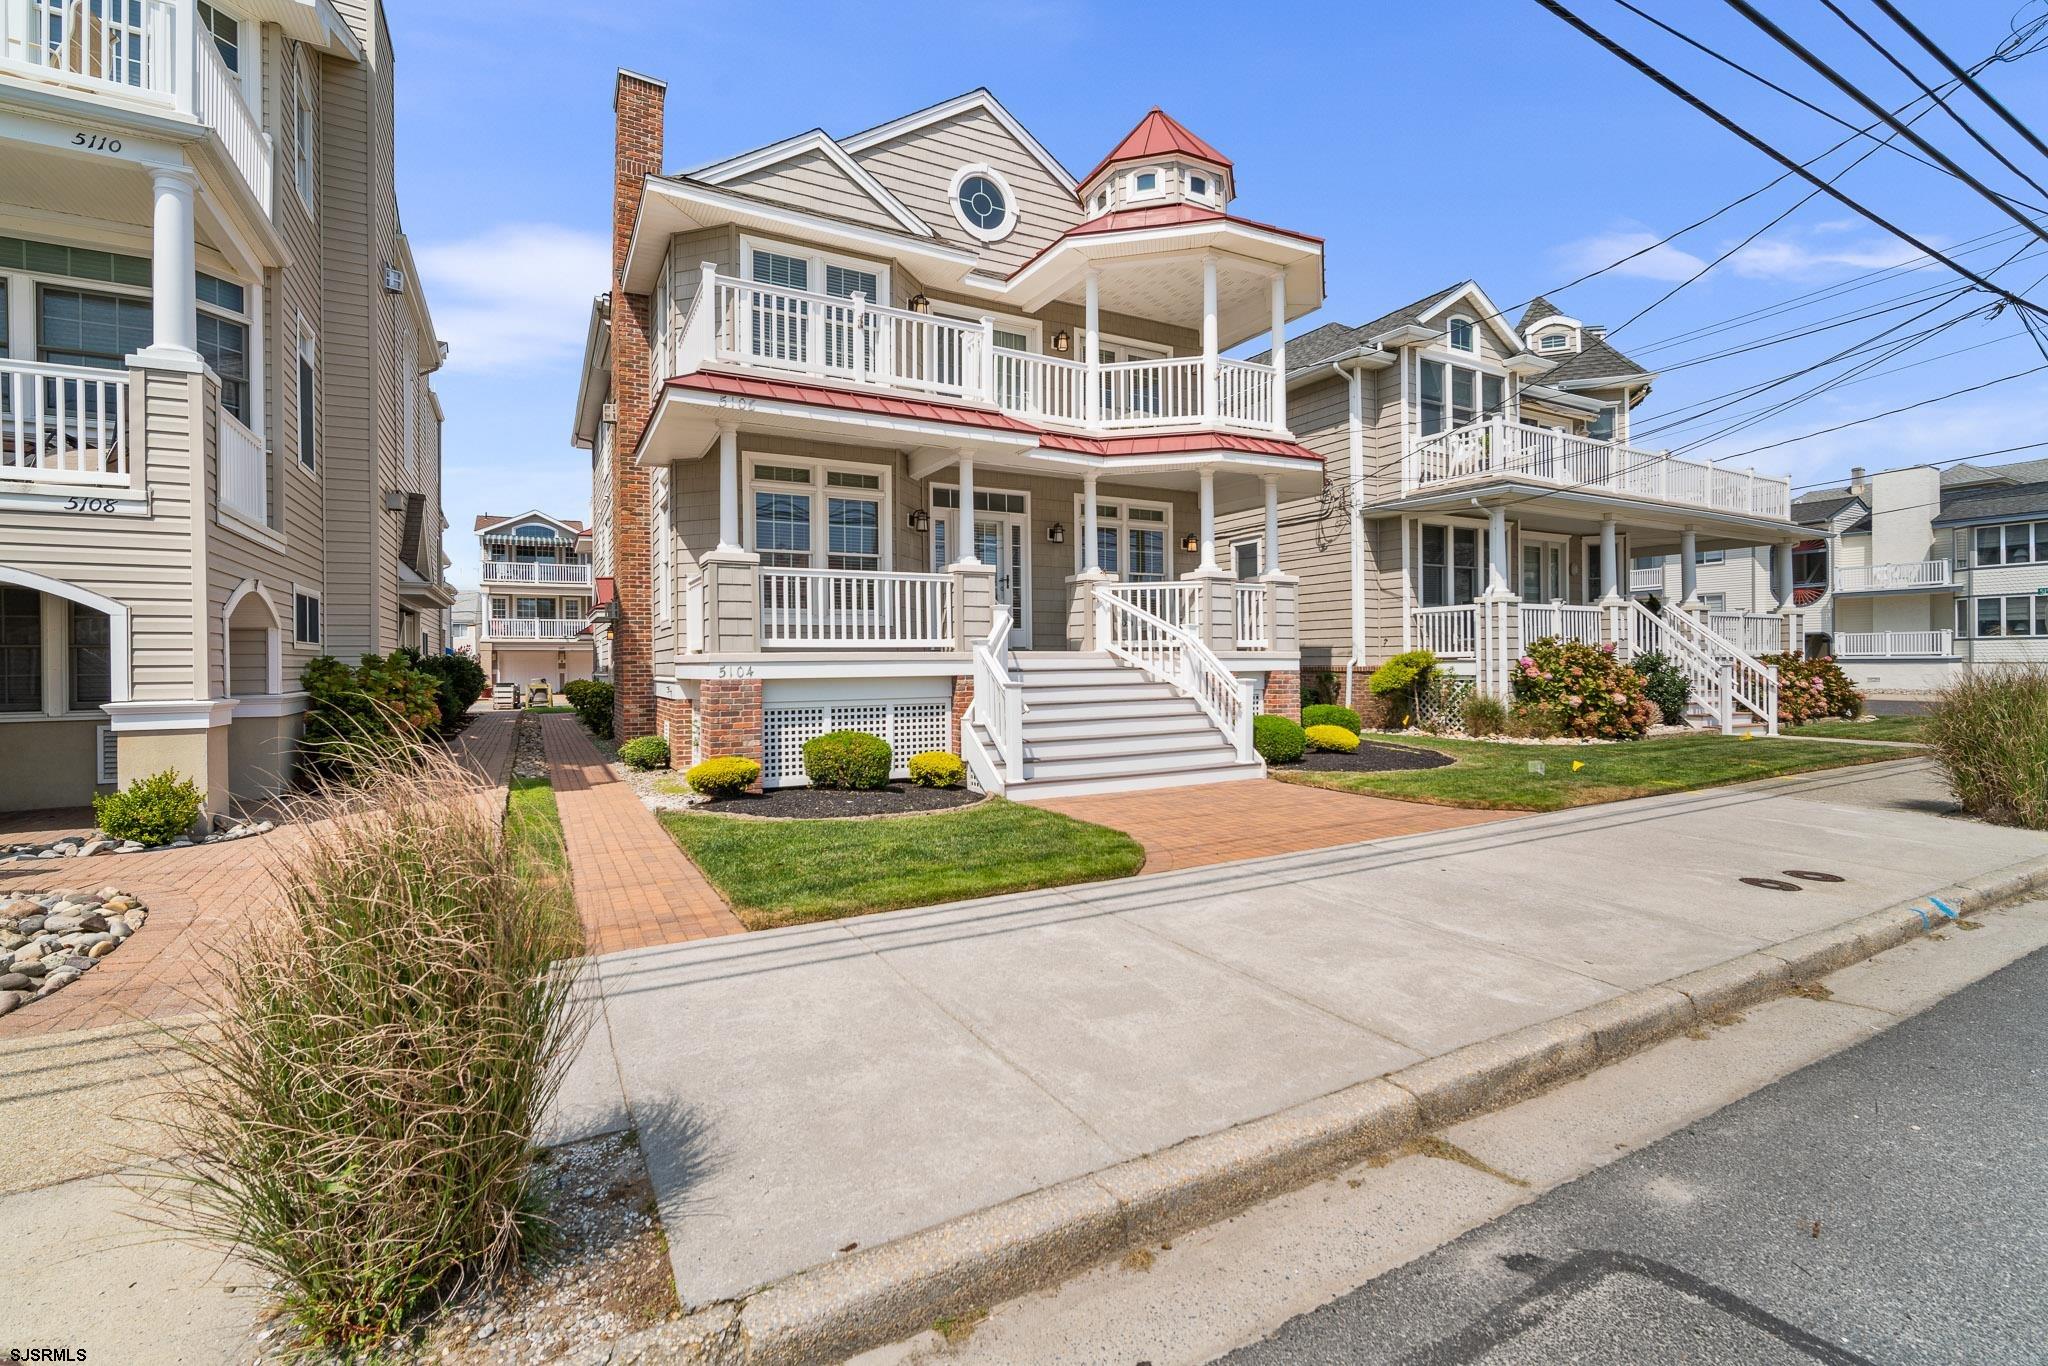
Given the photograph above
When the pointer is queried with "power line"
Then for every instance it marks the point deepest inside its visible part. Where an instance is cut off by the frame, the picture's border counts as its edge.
(1889, 412)
(1968, 80)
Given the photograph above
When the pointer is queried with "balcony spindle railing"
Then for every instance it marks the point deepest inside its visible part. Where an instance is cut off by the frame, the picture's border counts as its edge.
(1895, 644)
(1253, 630)
(808, 608)
(63, 424)
(244, 471)
(1452, 632)
(1879, 578)
(1174, 602)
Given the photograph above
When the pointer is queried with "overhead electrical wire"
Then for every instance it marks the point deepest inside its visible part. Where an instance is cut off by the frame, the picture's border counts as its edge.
(1967, 79)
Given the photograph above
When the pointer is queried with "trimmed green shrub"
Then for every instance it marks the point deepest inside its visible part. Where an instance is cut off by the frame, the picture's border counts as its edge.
(1989, 733)
(1327, 714)
(937, 768)
(1596, 696)
(1331, 739)
(1483, 716)
(1399, 675)
(645, 752)
(1277, 739)
(366, 713)
(723, 777)
(152, 811)
(850, 759)
(1813, 689)
(592, 700)
(1665, 684)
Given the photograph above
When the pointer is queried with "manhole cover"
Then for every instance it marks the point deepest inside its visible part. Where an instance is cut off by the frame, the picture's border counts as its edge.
(1808, 875)
(1771, 884)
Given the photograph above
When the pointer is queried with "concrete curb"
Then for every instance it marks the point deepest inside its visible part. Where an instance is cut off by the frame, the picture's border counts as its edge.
(894, 1291)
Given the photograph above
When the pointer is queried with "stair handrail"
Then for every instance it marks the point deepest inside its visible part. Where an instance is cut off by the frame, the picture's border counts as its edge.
(998, 699)
(1175, 656)
(1647, 633)
(1753, 683)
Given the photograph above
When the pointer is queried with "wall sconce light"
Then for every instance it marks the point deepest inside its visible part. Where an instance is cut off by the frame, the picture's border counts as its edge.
(1061, 342)
(1189, 543)
(1056, 533)
(920, 304)
(920, 520)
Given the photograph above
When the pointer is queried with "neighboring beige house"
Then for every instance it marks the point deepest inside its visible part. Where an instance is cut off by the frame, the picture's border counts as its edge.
(914, 431)
(1482, 492)
(219, 454)
(536, 595)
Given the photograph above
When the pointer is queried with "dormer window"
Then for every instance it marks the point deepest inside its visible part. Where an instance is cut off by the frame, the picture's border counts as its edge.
(1461, 334)
(1198, 185)
(1101, 201)
(1146, 182)
(1555, 341)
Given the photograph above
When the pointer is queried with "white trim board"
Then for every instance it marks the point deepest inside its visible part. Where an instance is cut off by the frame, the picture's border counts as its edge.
(816, 140)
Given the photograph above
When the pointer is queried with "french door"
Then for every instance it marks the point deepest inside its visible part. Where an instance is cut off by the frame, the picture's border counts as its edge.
(1003, 539)
(1543, 576)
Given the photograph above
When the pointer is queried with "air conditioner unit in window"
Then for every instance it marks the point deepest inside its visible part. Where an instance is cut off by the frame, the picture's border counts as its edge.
(394, 280)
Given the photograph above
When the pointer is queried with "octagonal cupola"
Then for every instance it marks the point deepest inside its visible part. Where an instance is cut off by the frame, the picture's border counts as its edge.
(1159, 163)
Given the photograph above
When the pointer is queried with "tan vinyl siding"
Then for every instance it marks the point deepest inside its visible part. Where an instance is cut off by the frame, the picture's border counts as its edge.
(814, 183)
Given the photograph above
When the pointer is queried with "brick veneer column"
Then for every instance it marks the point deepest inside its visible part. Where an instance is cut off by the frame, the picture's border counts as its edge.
(1283, 694)
(672, 720)
(731, 717)
(639, 106)
(963, 697)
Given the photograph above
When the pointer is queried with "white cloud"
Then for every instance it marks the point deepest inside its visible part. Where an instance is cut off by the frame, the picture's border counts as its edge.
(1786, 259)
(1665, 262)
(516, 296)
(1820, 251)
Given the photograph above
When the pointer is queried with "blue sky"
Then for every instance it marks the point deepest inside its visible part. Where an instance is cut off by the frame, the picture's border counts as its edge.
(1427, 144)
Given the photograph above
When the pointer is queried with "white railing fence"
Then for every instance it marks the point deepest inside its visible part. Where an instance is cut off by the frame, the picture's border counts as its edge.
(1852, 578)
(1749, 682)
(1244, 393)
(1177, 603)
(1044, 387)
(63, 424)
(244, 471)
(1895, 644)
(825, 607)
(1543, 620)
(125, 44)
(217, 99)
(998, 706)
(1253, 631)
(1754, 633)
(1176, 656)
(1152, 393)
(1452, 632)
(534, 628)
(849, 338)
(535, 571)
(1641, 631)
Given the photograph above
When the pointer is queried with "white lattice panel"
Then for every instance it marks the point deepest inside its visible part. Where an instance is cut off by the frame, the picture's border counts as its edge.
(909, 727)
(920, 726)
(783, 732)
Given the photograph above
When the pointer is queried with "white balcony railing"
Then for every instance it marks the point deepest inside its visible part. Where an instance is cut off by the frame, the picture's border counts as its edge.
(1253, 630)
(1451, 632)
(1497, 447)
(1179, 604)
(1880, 578)
(852, 340)
(531, 571)
(1645, 580)
(803, 608)
(63, 424)
(153, 52)
(244, 471)
(1543, 620)
(533, 628)
(1754, 633)
(1895, 644)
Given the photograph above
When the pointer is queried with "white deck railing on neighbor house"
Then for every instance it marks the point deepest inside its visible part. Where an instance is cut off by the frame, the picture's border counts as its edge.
(1175, 655)
(1878, 578)
(63, 424)
(808, 608)
(244, 471)
(1497, 447)
(1178, 603)
(1645, 580)
(1543, 620)
(533, 628)
(1450, 632)
(1253, 631)
(1754, 633)
(537, 572)
(1895, 644)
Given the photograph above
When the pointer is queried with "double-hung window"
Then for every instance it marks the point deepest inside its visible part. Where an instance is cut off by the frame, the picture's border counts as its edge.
(2009, 616)
(1450, 565)
(853, 520)
(1471, 394)
(304, 134)
(21, 650)
(306, 618)
(83, 327)
(783, 327)
(224, 339)
(2014, 543)
(226, 32)
(818, 516)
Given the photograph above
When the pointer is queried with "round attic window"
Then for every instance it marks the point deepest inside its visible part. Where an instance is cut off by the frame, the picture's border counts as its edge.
(983, 203)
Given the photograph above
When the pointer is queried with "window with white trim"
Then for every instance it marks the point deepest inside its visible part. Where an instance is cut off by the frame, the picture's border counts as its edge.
(309, 414)
(21, 649)
(1245, 557)
(1471, 394)
(1133, 541)
(1145, 182)
(2004, 616)
(223, 337)
(306, 624)
(664, 572)
(303, 134)
(1552, 341)
(814, 514)
(226, 32)
(1461, 335)
(2011, 543)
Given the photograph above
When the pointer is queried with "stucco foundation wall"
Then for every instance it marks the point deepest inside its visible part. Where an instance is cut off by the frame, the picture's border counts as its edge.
(48, 763)
(201, 755)
(262, 754)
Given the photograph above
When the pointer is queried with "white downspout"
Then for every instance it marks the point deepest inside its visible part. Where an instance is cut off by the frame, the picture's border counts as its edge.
(1354, 504)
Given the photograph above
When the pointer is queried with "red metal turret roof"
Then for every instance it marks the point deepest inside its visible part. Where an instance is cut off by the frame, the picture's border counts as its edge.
(1159, 134)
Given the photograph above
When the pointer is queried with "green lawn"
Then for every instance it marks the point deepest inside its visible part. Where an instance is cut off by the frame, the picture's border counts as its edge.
(533, 827)
(1873, 728)
(782, 872)
(1497, 777)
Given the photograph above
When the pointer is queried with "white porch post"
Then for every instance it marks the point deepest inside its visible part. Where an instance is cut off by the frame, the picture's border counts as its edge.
(969, 552)
(1610, 560)
(1209, 368)
(1688, 569)
(1208, 564)
(173, 261)
(1781, 567)
(1272, 523)
(1091, 549)
(728, 488)
(1280, 352)
(1497, 551)
(1091, 338)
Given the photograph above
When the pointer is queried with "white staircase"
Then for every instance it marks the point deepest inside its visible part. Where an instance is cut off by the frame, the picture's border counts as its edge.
(1731, 688)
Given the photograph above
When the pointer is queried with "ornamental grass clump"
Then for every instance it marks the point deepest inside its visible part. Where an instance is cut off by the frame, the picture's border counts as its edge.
(362, 1127)
(1594, 696)
(1989, 733)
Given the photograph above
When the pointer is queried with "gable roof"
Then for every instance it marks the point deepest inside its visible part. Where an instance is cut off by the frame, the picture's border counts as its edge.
(2018, 472)
(1825, 506)
(805, 144)
(1539, 308)
(1158, 134)
(1595, 359)
(979, 97)
(487, 520)
(1334, 339)
(1997, 500)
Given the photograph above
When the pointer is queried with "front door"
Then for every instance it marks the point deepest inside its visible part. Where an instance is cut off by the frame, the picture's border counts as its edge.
(1542, 570)
(1002, 539)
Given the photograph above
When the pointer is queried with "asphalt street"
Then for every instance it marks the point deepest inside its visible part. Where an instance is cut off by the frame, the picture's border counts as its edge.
(1888, 1205)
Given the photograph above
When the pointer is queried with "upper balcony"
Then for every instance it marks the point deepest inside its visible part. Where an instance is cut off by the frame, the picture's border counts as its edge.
(566, 577)
(1921, 576)
(1499, 448)
(150, 55)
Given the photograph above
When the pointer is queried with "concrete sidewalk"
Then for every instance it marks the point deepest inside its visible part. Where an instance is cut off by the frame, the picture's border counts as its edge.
(803, 1092)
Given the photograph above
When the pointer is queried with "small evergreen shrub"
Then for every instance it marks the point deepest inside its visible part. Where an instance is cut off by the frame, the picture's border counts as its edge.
(1327, 714)
(937, 768)
(1399, 676)
(458, 683)
(152, 811)
(1331, 739)
(847, 759)
(365, 713)
(724, 777)
(1483, 716)
(1664, 684)
(645, 752)
(593, 703)
(1277, 739)
(1813, 689)
(1596, 696)
(1989, 733)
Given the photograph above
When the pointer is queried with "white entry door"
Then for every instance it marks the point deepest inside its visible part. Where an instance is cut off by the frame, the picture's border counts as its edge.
(1003, 539)
(1543, 570)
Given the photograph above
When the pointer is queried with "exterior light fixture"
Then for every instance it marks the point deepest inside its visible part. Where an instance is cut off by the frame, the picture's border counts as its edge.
(1061, 342)
(920, 520)
(1056, 533)
(920, 304)
(1189, 543)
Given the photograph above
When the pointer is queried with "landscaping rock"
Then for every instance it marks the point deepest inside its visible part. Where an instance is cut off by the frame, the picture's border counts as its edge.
(10, 999)
(15, 981)
(15, 910)
(49, 940)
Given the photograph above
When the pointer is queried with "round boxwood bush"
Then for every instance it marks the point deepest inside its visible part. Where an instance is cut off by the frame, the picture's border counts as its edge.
(847, 759)
(1325, 714)
(1334, 739)
(723, 777)
(648, 751)
(152, 811)
(1277, 739)
(937, 768)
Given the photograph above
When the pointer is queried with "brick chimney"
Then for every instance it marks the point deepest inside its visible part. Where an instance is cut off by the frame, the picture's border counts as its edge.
(639, 104)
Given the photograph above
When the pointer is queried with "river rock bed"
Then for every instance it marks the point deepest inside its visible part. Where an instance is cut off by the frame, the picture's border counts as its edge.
(48, 940)
(95, 842)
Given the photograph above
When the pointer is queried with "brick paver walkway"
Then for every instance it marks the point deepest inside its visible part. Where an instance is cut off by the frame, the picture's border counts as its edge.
(634, 886)
(1193, 827)
(43, 827)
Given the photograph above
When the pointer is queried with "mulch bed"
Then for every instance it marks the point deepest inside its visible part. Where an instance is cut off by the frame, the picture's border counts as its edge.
(800, 803)
(1369, 758)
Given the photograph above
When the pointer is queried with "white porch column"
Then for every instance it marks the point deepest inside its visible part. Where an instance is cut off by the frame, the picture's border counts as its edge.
(1280, 352)
(1781, 568)
(968, 550)
(1272, 524)
(1497, 552)
(1208, 521)
(173, 284)
(1209, 367)
(1688, 569)
(1091, 338)
(1610, 561)
(728, 488)
(1091, 549)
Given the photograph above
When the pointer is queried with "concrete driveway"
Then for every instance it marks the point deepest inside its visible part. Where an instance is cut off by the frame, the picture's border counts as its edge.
(803, 1091)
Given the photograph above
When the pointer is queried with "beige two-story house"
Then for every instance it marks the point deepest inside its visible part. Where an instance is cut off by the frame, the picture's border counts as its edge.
(219, 450)
(532, 624)
(915, 431)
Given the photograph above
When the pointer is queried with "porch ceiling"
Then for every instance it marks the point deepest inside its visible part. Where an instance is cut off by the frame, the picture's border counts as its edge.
(1652, 527)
